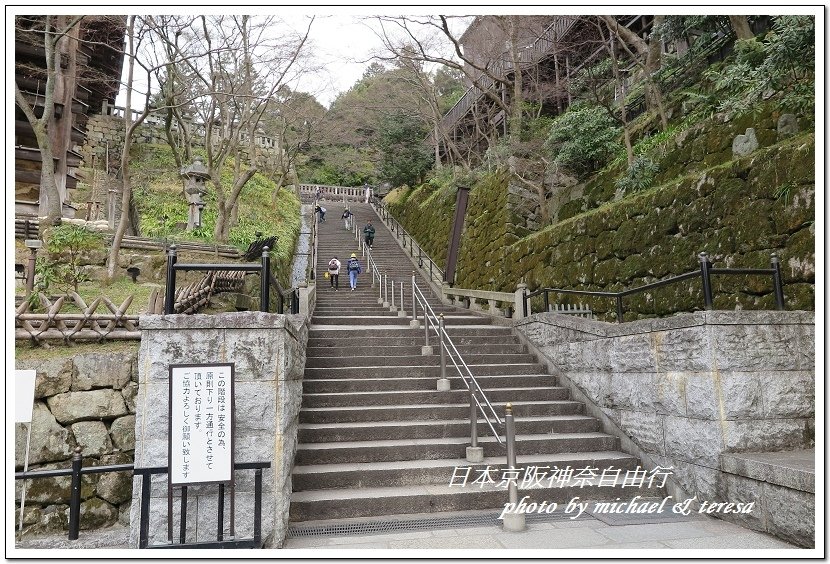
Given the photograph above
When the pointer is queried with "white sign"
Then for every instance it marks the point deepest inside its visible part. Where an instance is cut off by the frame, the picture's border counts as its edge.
(201, 423)
(24, 395)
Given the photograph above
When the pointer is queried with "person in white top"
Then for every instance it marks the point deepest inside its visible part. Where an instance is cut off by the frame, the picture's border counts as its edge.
(334, 273)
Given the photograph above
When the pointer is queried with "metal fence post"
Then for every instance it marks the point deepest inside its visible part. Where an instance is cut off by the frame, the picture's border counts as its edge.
(414, 309)
(443, 382)
(75, 495)
(547, 301)
(385, 290)
(707, 281)
(618, 299)
(170, 288)
(777, 284)
(264, 280)
(402, 312)
(513, 520)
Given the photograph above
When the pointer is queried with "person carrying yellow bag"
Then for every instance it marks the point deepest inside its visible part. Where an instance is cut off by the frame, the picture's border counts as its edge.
(333, 273)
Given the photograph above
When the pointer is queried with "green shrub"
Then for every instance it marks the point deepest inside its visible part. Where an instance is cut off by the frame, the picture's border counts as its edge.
(583, 139)
(63, 267)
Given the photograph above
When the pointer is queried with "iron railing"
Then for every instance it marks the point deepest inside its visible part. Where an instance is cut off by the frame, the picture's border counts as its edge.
(264, 268)
(705, 273)
(77, 470)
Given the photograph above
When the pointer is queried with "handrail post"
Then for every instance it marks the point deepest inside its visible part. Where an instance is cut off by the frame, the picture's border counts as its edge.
(75, 495)
(618, 299)
(547, 302)
(513, 520)
(385, 290)
(402, 311)
(264, 298)
(443, 382)
(392, 303)
(706, 277)
(170, 288)
(474, 452)
(777, 284)
(414, 322)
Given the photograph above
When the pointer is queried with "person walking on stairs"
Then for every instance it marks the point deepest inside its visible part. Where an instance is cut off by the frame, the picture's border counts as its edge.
(322, 212)
(347, 218)
(353, 266)
(369, 233)
(334, 273)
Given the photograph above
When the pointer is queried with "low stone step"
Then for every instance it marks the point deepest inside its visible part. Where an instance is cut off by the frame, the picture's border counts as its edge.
(418, 371)
(415, 360)
(430, 412)
(416, 339)
(408, 397)
(426, 472)
(412, 350)
(337, 432)
(351, 503)
(447, 448)
(343, 385)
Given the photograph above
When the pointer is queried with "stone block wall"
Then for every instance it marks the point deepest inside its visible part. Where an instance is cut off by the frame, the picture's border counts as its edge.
(87, 400)
(269, 355)
(686, 389)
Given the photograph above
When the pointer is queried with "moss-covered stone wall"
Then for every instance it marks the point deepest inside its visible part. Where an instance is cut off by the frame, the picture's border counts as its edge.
(487, 234)
(739, 211)
(426, 213)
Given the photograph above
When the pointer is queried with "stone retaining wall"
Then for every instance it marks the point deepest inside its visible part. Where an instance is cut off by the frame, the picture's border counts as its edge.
(85, 400)
(686, 389)
(269, 355)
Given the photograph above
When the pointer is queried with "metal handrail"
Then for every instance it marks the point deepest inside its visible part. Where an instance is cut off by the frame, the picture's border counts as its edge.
(704, 273)
(445, 341)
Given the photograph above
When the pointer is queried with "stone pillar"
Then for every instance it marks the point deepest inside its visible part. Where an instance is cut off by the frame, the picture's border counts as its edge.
(269, 356)
(519, 300)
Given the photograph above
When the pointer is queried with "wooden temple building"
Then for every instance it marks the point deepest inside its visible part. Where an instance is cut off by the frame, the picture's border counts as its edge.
(88, 76)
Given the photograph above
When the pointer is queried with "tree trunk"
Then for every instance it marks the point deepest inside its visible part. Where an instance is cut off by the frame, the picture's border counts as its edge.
(741, 27)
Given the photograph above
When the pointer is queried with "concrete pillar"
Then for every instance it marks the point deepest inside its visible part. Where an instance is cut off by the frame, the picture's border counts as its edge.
(518, 301)
(267, 351)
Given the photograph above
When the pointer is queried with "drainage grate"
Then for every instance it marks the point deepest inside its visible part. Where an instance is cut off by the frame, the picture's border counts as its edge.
(421, 524)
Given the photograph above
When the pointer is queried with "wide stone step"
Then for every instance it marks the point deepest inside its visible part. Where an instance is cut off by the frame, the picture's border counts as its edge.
(438, 498)
(412, 350)
(372, 413)
(333, 331)
(415, 360)
(416, 339)
(447, 448)
(337, 432)
(374, 319)
(408, 397)
(342, 385)
(440, 472)
(418, 371)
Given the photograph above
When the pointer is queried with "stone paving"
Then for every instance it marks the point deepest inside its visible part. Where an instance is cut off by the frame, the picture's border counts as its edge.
(582, 534)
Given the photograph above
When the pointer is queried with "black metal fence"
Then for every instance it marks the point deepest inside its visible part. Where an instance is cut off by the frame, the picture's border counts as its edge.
(77, 470)
(705, 272)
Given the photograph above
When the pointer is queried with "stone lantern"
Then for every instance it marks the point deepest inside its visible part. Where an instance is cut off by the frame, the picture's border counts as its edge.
(195, 177)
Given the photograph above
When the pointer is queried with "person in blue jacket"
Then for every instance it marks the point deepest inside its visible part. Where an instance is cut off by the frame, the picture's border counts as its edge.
(353, 267)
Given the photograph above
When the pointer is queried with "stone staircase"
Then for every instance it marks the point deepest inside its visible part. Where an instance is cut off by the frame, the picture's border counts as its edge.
(377, 439)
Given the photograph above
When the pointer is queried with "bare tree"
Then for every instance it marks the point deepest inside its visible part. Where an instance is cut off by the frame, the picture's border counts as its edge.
(60, 36)
(246, 64)
(647, 56)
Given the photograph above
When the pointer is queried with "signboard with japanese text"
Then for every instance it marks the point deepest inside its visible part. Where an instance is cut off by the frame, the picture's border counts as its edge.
(201, 423)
